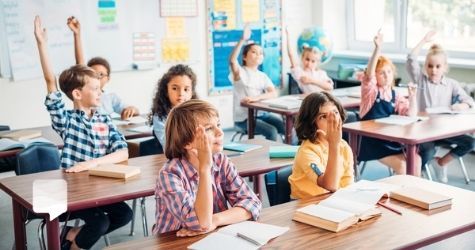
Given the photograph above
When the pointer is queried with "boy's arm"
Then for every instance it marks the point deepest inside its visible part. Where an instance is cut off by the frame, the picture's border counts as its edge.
(118, 156)
(371, 68)
(233, 59)
(41, 41)
(75, 26)
(290, 52)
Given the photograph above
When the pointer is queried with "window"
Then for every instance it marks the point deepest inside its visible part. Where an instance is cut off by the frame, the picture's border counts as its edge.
(404, 23)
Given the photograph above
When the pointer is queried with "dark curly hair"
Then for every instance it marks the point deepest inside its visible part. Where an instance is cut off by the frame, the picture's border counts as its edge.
(161, 103)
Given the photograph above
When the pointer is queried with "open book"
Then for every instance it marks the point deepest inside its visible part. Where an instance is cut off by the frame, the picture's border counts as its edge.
(343, 209)
(20, 135)
(401, 119)
(421, 197)
(141, 129)
(285, 102)
(115, 171)
(448, 110)
(240, 236)
(131, 120)
(240, 147)
(7, 144)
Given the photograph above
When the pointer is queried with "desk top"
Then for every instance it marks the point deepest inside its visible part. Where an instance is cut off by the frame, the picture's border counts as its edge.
(435, 128)
(415, 228)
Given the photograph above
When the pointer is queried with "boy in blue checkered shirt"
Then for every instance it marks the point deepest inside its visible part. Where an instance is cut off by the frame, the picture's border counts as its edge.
(89, 138)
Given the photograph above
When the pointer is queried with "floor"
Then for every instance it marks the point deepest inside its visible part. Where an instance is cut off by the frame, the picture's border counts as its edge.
(373, 171)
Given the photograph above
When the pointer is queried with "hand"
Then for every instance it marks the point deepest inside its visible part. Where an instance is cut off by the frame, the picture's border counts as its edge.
(246, 33)
(333, 132)
(429, 36)
(40, 33)
(184, 232)
(127, 113)
(249, 99)
(459, 106)
(81, 166)
(74, 25)
(412, 89)
(203, 148)
(378, 39)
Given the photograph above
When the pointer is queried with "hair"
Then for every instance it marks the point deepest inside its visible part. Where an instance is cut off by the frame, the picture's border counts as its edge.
(181, 125)
(161, 103)
(100, 61)
(246, 49)
(383, 61)
(307, 49)
(305, 124)
(75, 78)
(436, 50)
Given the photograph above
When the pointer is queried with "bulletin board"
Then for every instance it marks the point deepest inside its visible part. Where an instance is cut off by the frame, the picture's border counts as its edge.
(225, 22)
(129, 34)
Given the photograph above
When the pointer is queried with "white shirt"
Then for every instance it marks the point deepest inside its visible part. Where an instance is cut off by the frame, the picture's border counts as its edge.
(111, 103)
(320, 75)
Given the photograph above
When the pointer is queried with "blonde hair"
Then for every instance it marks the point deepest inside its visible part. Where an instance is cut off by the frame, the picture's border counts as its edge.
(181, 125)
(436, 50)
(307, 49)
(383, 61)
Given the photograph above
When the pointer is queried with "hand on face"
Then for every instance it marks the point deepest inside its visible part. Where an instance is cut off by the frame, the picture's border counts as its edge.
(333, 132)
(203, 148)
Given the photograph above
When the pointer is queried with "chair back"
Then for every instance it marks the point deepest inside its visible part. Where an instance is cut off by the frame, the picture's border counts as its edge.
(278, 186)
(37, 157)
(293, 86)
(4, 127)
(150, 147)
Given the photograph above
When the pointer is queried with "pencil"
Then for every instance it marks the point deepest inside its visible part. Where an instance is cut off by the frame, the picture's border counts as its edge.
(389, 208)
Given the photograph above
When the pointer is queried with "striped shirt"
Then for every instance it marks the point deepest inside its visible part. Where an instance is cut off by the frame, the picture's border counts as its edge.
(84, 138)
(176, 189)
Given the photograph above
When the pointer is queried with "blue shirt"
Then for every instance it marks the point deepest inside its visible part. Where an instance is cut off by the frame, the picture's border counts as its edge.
(159, 129)
(84, 138)
(111, 103)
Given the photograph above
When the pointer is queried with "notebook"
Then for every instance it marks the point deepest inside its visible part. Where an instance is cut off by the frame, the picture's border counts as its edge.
(8, 144)
(115, 171)
(243, 235)
(421, 197)
(401, 119)
(241, 147)
(21, 135)
(287, 151)
(448, 110)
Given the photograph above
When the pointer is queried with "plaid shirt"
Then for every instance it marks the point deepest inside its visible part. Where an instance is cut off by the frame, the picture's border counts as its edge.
(177, 186)
(84, 138)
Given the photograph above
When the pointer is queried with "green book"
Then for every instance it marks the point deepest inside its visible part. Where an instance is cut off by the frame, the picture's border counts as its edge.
(283, 151)
(241, 147)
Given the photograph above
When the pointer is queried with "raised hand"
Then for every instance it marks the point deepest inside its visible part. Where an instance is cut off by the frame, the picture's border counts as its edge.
(74, 25)
(40, 32)
(246, 33)
(378, 39)
(412, 89)
(429, 36)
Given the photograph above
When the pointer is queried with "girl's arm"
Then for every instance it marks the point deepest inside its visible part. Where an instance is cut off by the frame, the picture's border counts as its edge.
(290, 52)
(331, 178)
(269, 94)
(371, 68)
(233, 59)
(41, 41)
(325, 84)
(427, 38)
(75, 27)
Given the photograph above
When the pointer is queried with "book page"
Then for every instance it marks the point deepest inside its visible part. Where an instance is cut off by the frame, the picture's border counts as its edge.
(259, 232)
(327, 212)
(219, 241)
(347, 205)
(400, 119)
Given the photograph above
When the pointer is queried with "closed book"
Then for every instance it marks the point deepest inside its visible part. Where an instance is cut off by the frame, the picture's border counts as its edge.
(421, 197)
(287, 151)
(21, 135)
(241, 147)
(115, 171)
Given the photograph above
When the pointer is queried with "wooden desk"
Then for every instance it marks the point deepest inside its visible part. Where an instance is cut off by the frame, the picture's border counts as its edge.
(347, 102)
(415, 228)
(435, 128)
(86, 191)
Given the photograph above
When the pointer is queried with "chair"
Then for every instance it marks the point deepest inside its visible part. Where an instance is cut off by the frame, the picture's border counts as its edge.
(293, 86)
(277, 185)
(239, 132)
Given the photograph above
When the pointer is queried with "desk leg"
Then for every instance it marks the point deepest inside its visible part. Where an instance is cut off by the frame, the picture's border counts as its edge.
(256, 179)
(52, 228)
(251, 123)
(411, 151)
(289, 125)
(353, 141)
(18, 225)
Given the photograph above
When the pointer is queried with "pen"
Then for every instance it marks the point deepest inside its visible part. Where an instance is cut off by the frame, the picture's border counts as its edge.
(389, 208)
(235, 154)
(242, 236)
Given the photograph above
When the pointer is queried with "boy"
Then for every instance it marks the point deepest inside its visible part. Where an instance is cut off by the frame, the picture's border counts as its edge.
(89, 139)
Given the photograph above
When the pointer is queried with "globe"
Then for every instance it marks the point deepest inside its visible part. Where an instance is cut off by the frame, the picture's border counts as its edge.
(316, 37)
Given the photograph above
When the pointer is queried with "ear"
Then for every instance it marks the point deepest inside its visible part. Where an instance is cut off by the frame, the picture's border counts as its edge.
(76, 93)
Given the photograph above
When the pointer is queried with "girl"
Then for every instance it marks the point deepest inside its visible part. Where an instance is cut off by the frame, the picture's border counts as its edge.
(439, 91)
(175, 87)
(110, 102)
(378, 100)
(252, 85)
(197, 183)
(308, 76)
(324, 162)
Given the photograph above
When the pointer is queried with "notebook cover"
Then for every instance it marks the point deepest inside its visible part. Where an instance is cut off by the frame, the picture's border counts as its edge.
(283, 151)
(241, 147)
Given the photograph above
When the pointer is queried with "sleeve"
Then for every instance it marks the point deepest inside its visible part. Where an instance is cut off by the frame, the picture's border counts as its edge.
(413, 68)
(238, 193)
(461, 96)
(159, 129)
(369, 91)
(402, 105)
(177, 199)
(348, 176)
(326, 77)
(116, 139)
(303, 160)
(296, 73)
(59, 117)
(230, 76)
(117, 104)
(267, 81)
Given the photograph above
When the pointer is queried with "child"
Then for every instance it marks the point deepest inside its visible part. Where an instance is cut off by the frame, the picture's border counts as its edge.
(308, 76)
(252, 85)
(378, 100)
(175, 87)
(110, 102)
(197, 183)
(437, 90)
(324, 161)
(89, 139)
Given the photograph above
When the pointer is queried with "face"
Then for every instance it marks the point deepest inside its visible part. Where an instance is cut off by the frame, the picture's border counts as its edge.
(90, 94)
(435, 66)
(324, 112)
(102, 73)
(310, 60)
(254, 56)
(179, 89)
(385, 76)
(214, 132)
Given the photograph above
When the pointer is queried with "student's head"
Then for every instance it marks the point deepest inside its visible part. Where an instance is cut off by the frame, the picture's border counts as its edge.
(385, 72)
(102, 67)
(176, 86)
(313, 114)
(311, 57)
(436, 63)
(252, 55)
(81, 84)
(182, 124)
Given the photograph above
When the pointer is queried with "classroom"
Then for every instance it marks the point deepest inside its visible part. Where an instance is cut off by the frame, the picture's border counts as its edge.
(149, 44)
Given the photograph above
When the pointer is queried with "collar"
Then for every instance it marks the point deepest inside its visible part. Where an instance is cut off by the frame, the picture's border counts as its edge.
(442, 80)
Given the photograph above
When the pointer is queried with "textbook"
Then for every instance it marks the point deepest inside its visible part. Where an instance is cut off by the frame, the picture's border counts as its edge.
(8, 144)
(243, 235)
(115, 171)
(401, 119)
(448, 110)
(21, 135)
(240, 147)
(285, 102)
(283, 151)
(343, 209)
(421, 197)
